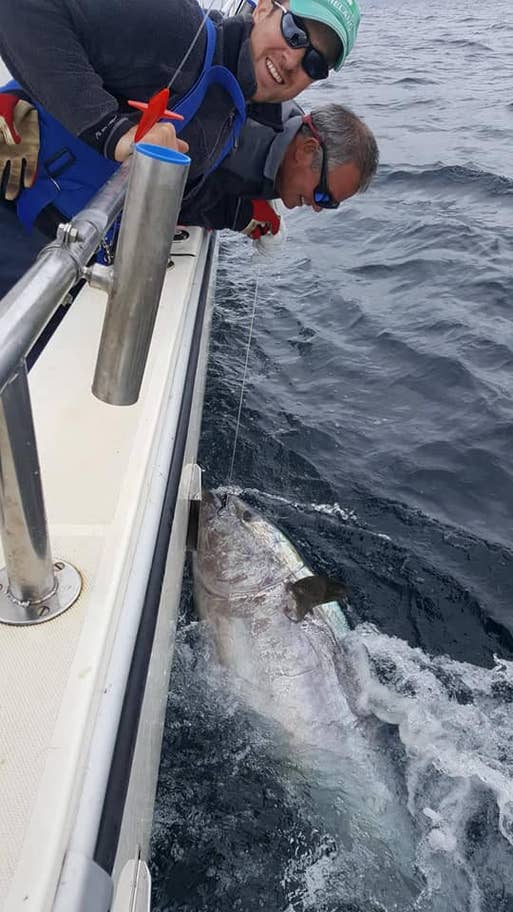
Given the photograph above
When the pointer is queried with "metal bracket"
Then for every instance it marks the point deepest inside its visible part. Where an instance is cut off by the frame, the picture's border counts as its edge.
(195, 480)
(67, 234)
(99, 276)
(67, 590)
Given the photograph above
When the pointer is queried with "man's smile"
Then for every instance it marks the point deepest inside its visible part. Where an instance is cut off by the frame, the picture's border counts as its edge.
(273, 70)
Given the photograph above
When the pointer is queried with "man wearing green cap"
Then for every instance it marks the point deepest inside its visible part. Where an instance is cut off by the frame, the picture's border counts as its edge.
(82, 60)
(342, 16)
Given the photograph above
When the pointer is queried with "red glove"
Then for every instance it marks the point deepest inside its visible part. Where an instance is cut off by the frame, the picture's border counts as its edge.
(19, 143)
(265, 220)
(8, 132)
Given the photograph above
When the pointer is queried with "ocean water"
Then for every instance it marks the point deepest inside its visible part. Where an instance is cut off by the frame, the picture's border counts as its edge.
(377, 433)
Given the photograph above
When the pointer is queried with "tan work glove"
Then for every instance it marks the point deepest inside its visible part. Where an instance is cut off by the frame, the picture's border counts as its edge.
(19, 143)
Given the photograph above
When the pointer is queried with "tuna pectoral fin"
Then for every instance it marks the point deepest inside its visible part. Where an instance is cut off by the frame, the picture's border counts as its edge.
(306, 593)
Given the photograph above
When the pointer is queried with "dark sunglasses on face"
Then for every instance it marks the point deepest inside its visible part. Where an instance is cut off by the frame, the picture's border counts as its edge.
(295, 34)
(322, 194)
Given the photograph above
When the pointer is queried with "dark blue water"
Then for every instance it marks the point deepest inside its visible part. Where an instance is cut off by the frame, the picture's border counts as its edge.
(377, 431)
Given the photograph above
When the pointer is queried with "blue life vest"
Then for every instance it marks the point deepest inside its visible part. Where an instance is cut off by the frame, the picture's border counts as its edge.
(70, 172)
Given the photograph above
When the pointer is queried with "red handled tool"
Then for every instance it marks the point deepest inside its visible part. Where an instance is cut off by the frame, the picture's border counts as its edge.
(153, 110)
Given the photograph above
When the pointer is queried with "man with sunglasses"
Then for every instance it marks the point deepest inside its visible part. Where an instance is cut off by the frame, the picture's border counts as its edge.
(84, 59)
(318, 159)
(80, 62)
(298, 34)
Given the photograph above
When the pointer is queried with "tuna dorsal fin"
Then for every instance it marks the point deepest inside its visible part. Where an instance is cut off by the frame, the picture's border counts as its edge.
(305, 594)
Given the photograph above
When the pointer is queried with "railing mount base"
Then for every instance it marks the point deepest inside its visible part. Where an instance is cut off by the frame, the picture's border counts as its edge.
(68, 589)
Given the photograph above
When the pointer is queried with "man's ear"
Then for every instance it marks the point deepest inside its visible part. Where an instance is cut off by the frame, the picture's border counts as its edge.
(263, 8)
(305, 150)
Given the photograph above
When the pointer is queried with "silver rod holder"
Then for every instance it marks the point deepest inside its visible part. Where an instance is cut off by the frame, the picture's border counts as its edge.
(154, 195)
(29, 584)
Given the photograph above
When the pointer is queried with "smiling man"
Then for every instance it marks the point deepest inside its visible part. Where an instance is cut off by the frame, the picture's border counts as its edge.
(317, 160)
(313, 38)
(82, 60)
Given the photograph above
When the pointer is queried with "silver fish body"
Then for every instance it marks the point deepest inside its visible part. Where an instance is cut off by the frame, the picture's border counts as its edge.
(251, 586)
(243, 570)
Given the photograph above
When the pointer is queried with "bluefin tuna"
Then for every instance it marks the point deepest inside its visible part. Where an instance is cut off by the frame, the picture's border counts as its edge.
(275, 624)
(280, 630)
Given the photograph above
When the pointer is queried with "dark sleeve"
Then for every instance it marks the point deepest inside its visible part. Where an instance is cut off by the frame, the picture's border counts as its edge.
(233, 212)
(214, 209)
(269, 114)
(82, 59)
(40, 45)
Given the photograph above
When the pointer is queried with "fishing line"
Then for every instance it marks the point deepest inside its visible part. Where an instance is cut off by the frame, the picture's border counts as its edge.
(169, 86)
(244, 374)
(191, 46)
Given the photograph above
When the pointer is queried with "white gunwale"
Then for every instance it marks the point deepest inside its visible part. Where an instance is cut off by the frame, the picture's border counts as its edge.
(104, 473)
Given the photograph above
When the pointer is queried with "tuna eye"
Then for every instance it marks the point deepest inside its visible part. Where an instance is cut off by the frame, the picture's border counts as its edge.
(247, 516)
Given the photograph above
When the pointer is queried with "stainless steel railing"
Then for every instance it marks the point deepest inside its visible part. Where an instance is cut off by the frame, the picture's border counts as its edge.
(34, 588)
(30, 304)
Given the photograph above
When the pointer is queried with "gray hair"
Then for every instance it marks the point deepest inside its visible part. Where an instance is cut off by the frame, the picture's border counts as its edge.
(347, 139)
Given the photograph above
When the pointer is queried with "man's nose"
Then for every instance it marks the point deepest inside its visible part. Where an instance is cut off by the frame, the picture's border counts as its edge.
(292, 57)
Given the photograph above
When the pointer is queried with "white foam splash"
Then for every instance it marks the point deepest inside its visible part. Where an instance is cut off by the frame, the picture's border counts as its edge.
(334, 509)
(449, 737)
(456, 726)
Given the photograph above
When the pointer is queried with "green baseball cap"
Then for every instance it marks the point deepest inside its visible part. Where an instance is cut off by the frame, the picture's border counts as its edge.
(343, 16)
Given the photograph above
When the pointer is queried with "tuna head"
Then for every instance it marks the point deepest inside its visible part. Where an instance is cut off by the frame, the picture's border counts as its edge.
(241, 555)
(238, 551)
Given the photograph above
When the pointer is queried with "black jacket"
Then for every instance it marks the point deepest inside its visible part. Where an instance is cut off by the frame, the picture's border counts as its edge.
(249, 172)
(83, 59)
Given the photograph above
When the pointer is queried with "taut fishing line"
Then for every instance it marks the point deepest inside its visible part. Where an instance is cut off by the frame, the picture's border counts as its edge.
(191, 46)
(244, 374)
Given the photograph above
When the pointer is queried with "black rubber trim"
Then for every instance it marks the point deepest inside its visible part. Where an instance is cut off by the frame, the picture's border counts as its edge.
(117, 786)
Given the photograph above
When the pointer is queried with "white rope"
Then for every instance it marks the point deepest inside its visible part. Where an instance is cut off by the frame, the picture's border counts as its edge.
(250, 336)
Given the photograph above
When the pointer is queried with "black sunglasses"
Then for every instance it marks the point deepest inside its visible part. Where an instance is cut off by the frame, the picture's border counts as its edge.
(295, 34)
(322, 193)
